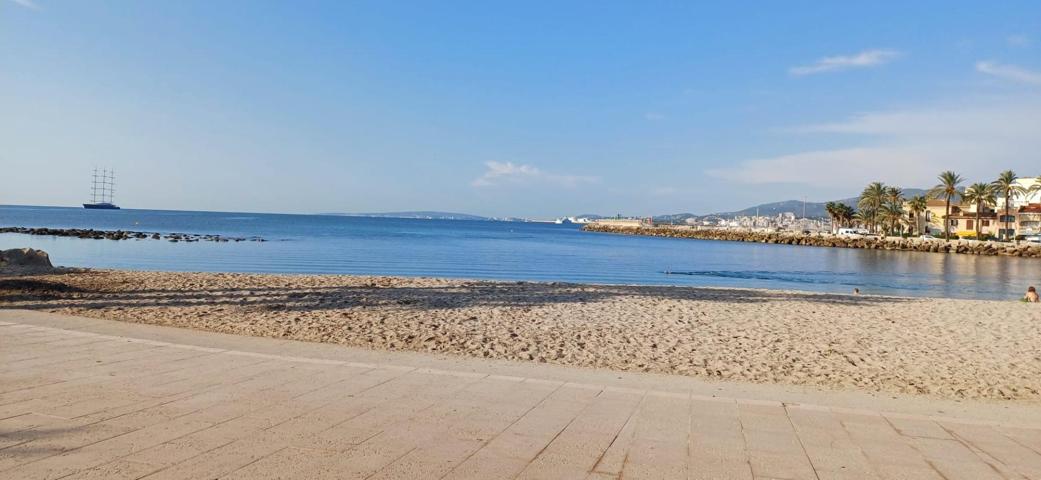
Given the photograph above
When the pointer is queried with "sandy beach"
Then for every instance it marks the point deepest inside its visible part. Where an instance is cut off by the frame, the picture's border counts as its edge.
(956, 349)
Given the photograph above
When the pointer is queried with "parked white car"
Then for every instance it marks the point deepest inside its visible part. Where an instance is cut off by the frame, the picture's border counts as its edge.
(853, 232)
(927, 237)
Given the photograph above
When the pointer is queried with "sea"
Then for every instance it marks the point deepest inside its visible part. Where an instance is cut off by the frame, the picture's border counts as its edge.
(513, 251)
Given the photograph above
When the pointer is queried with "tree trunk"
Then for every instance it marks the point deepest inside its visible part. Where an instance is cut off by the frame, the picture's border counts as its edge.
(1004, 235)
(947, 221)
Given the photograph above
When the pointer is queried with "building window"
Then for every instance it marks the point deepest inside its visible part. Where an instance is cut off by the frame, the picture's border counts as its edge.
(968, 224)
(954, 223)
(986, 223)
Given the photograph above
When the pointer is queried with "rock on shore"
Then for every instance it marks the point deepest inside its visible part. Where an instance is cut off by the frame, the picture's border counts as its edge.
(24, 259)
(966, 247)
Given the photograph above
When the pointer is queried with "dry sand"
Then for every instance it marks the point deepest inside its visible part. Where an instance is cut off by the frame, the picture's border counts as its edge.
(945, 348)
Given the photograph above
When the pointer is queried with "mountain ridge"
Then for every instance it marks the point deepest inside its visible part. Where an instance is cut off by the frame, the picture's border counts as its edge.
(418, 214)
(812, 209)
(770, 209)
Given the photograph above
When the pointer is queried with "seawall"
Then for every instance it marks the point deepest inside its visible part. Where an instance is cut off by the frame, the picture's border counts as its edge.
(965, 247)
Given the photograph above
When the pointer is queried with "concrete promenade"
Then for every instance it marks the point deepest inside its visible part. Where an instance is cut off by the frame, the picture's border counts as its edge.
(82, 398)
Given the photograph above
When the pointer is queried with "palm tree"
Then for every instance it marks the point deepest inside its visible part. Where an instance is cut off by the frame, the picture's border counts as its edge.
(918, 205)
(981, 195)
(832, 208)
(861, 218)
(845, 214)
(947, 189)
(871, 200)
(1007, 187)
(840, 213)
(1036, 187)
(890, 214)
(894, 200)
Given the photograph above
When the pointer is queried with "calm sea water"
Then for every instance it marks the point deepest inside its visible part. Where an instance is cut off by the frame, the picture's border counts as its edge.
(505, 251)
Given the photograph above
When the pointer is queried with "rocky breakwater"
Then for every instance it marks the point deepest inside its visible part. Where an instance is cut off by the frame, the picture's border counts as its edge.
(965, 247)
(92, 234)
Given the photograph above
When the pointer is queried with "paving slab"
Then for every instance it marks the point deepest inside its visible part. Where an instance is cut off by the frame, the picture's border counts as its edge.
(83, 399)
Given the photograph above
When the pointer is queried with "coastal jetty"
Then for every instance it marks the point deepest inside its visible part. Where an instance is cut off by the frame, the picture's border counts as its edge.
(966, 247)
(91, 234)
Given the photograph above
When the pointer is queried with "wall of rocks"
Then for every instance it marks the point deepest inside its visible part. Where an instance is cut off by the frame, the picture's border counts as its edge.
(966, 247)
(91, 234)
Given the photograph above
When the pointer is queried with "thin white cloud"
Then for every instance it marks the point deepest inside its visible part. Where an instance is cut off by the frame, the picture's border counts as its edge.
(865, 59)
(500, 173)
(1005, 119)
(828, 168)
(1009, 72)
(1018, 40)
(908, 147)
(664, 191)
(26, 3)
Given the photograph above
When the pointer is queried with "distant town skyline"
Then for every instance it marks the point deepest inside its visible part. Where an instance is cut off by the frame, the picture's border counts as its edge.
(535, 110)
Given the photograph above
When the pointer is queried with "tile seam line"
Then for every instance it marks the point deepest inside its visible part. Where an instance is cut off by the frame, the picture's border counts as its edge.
(982, 454)
(298, 359)
(501, 432)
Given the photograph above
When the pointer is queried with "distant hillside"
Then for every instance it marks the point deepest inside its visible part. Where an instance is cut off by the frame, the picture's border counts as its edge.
(813, 209)
(427, 215)
(675, 217)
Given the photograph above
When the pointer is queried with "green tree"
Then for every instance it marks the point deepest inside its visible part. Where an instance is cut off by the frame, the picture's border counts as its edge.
(947, 189)
(981, 195)
(1008, 188)
(890, 216)
(918, 205)
(832, 209)
(846, 214)
(893, 207)
(860, 218)
(870, 203)
(840, 213)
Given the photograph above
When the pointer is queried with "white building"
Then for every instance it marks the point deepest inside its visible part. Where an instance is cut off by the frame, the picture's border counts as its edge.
(1033, 197)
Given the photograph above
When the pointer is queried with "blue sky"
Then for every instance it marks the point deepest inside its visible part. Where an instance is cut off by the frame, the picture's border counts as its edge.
(531, 109)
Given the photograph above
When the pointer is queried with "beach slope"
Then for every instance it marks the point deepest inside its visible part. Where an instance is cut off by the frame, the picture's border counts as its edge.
(940, 347)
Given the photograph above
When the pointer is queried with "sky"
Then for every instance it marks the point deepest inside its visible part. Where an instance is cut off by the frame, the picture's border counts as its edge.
(530, 109)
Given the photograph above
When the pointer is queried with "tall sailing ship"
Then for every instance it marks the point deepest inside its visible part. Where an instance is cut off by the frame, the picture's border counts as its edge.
(102, 187)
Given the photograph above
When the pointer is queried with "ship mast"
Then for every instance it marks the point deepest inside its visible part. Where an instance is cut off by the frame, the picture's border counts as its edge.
(105, 181)
(94, 187)
(111, 184)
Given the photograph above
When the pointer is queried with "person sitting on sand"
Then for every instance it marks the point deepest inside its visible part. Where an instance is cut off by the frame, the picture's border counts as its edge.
(1031, 295)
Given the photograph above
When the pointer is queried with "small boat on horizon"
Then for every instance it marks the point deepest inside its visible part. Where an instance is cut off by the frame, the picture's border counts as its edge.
(101, 188)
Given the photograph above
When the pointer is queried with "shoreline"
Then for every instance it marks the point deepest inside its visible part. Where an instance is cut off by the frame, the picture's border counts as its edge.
(954, 349)
(959, 247)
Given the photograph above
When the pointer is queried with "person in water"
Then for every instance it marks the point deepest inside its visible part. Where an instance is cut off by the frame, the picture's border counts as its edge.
(1031, 295)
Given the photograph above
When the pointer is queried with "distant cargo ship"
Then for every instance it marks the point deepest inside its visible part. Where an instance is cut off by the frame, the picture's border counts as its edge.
(102, 187)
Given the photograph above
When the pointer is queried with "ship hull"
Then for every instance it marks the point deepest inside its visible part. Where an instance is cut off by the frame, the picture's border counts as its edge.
(100, 206)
